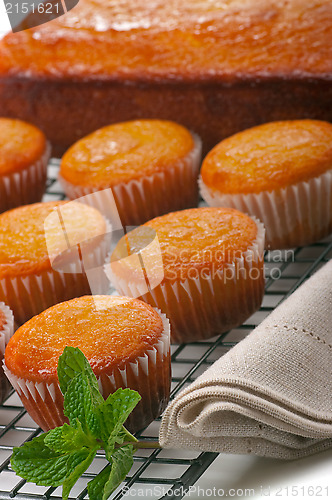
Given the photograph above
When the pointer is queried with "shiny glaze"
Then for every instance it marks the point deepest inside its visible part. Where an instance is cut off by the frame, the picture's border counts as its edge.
(178, 39)
(125, 151)
(269, 157)
(116, 332)
(24, 249)
(21, 145)
(198, 238)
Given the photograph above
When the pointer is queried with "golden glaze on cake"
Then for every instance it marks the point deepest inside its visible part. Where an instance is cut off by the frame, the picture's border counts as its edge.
(268, 157)
(126, 342)
(126, 151)
(45, 253)
(116, 333)
(216, 67)
(24, 154)
(24, 250)
(212, 273)
(147, 167)
(191, 242)
(280, 173)
(186, 40)
(21, 145)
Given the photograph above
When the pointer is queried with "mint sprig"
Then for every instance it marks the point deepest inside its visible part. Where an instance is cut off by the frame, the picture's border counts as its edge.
(61, 455)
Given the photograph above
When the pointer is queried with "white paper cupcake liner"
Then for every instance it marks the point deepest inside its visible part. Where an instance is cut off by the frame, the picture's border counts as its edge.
(30, 295)
(140, 200)
(201, 307)
(25, 186)
(5, 334)
(297, 215)
(8, 328)
(148, 374)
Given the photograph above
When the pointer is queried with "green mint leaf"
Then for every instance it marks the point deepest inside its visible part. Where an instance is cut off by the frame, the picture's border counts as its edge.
(36, 462)
(79, 407)
(122, 436)
(121, 403)
(97, 485)
(72, 362)
(113, 413)
(68, 439)
(60, 456)
(103, 485)
(77, 463)
(121, 465)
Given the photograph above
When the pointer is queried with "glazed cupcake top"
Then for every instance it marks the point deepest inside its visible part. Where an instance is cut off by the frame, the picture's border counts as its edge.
(32, 235)
(21, 145)
(268, 157)
(190, 240)
(125, 151)
(110, 331)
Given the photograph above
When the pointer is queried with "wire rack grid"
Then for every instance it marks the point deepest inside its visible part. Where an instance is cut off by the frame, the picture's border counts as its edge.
(159, 474)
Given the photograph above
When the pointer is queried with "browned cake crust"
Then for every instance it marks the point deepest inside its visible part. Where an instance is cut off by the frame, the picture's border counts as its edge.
(215, 67)
(67, 111)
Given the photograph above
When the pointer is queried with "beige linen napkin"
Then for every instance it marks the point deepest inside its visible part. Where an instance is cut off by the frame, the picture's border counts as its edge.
(271, 394)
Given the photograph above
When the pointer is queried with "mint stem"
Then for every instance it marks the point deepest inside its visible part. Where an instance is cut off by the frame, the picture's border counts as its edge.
(141, 444)
(130, 437)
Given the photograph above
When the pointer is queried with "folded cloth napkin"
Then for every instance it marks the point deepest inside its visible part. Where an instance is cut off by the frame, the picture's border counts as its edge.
(271, 394)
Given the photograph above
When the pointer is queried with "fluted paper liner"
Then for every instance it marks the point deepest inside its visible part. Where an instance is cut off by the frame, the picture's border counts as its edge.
(148, 374)
(30, 295)
(299, 214)
(25, 186)
(271, 394)
(5, 334)
(140, 200)
(201, 307)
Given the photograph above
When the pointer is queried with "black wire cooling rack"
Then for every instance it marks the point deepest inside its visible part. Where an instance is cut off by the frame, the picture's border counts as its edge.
(158, 473)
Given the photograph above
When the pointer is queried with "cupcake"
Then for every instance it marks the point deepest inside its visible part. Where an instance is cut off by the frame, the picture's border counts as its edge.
(281, 173)
(6, 331)
(48, 251)
(212, 275)
(24, 154)
(149, 167)
(125, 341)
